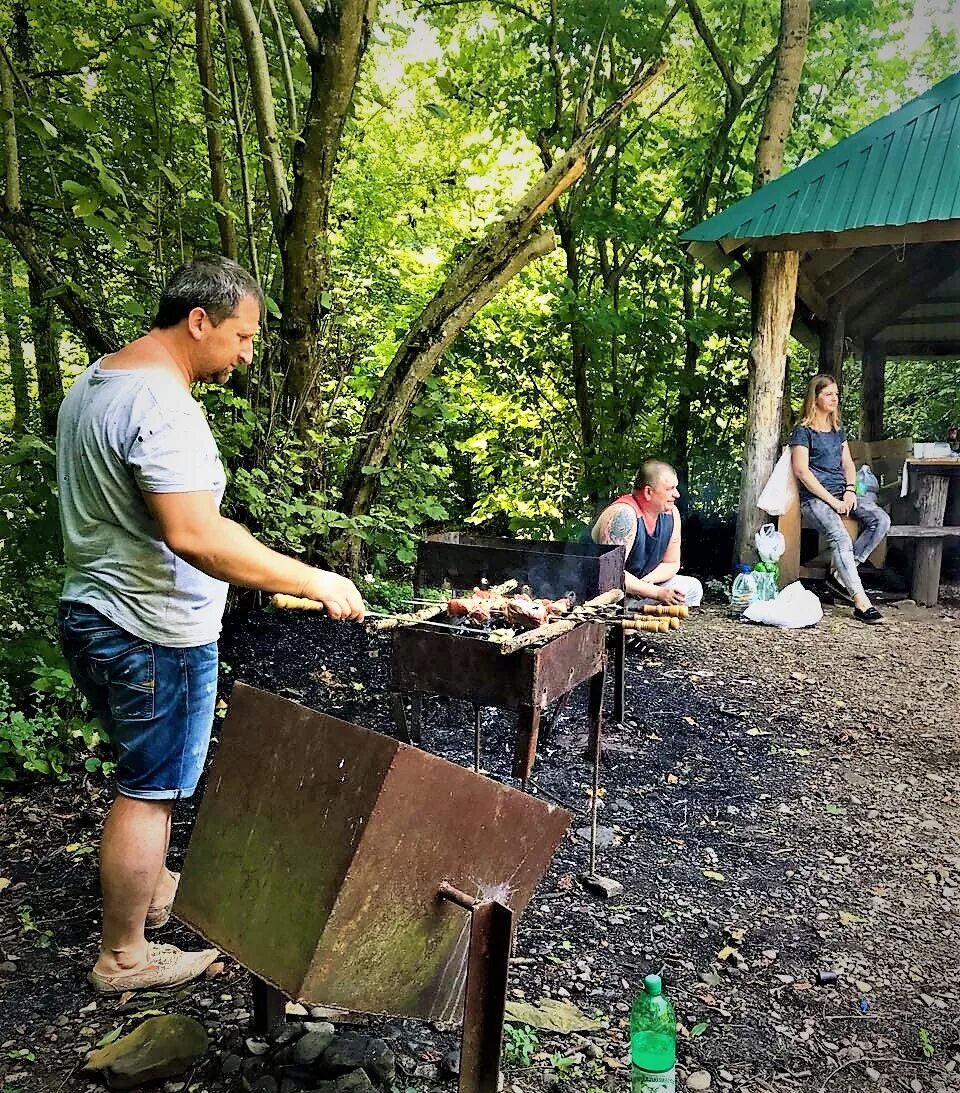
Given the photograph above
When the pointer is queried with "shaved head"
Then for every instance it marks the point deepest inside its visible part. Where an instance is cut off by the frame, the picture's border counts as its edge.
(651, 473)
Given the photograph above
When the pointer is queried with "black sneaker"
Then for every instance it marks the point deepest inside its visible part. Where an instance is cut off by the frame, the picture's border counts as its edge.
(836, 588)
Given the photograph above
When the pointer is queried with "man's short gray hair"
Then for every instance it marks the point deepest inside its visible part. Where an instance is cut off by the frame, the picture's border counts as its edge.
(212, 282)
(650, 473)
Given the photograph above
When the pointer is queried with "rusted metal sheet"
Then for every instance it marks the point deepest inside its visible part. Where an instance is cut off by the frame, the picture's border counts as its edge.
(318, 852)
(486, 997)
(550, 568)
(473, 668)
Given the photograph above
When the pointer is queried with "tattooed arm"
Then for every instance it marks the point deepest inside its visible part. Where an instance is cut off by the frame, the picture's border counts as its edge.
(617, 526)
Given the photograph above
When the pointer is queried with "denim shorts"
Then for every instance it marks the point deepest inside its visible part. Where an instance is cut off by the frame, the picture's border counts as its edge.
(155, 703)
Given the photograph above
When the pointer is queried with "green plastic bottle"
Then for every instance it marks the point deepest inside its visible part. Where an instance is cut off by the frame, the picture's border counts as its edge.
(653, 1040)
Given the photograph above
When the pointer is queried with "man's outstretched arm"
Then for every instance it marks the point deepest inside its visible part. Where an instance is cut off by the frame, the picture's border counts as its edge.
(192, 527)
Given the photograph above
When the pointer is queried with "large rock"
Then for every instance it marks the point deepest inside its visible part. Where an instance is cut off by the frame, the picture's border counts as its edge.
(162, 1047)
(357, 1081)
(348, 1053)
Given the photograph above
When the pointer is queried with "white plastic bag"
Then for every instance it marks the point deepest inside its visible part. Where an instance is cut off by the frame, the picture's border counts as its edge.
(780, 492)
(793, 609)
(770, 543)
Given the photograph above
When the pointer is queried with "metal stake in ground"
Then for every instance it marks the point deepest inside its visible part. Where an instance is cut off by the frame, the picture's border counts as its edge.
(600, 886)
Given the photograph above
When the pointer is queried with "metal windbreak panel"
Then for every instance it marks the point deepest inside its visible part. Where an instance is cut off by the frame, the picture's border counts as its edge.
(461, 667)
(550, 568)
(390, 944)
(287, 798)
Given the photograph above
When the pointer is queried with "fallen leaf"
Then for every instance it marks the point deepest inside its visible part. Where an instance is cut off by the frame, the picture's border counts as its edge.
(4, 883)
(712, 874)
(847, 918)
(552, 1015)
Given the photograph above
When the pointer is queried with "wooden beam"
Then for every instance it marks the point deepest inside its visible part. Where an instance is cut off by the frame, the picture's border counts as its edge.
(873, 390)
(886, 277)
(921, 350)
(808, 291)
(849, 272)
(909, 319)
(916, 283)
(896, 235)
(832, 345)
(818, 262)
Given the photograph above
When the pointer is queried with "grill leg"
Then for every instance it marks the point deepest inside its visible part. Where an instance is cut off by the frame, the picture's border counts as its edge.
(525, 743)
(399, 717)
(416, 717)
(595, 709)
(619, 672)
(269, 1007)
(476, 737)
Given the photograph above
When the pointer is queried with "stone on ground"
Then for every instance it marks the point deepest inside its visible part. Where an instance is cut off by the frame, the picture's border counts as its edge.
(162, 1047)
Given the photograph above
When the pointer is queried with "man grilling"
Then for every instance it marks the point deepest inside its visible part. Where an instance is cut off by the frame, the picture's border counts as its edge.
(148, 558)
(645, 522)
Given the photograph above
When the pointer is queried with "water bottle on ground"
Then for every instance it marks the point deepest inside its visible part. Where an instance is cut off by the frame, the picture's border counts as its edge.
(653, 1040)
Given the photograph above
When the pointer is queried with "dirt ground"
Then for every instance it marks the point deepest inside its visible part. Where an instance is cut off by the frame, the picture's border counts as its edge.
(779, 805)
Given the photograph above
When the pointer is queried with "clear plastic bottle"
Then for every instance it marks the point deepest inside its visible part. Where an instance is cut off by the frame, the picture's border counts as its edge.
(653, 1040)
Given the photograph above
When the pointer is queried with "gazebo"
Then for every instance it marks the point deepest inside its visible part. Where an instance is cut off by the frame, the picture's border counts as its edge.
(876, 222)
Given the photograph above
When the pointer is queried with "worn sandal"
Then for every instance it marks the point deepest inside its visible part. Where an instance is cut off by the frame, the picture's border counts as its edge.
(160, 916)
(870, 616)
(167, 966)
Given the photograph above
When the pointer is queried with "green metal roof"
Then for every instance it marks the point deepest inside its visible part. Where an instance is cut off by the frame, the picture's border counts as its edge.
(903, 169)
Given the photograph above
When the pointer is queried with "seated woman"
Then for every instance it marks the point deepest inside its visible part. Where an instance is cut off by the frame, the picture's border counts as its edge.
(826, 477)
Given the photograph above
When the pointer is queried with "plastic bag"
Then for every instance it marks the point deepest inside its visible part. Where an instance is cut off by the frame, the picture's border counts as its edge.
(743, 593)
(770, 543)
(793, 609)
(766, 585)
(867, 484)
(780, 492)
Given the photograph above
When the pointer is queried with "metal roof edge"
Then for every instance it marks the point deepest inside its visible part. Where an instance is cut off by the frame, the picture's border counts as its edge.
(723, 224)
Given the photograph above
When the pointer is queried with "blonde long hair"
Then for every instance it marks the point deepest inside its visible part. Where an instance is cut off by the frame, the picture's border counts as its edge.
(814, 387)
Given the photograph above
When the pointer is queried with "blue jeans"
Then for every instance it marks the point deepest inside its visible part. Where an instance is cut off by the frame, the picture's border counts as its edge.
(845, 554)
(155, 703)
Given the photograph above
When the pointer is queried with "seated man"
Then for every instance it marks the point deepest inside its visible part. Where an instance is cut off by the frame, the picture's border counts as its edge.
(647, 525)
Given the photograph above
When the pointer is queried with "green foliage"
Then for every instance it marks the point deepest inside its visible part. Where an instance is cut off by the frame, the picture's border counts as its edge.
(520, 1045)
(926, 1044)
(49, 733)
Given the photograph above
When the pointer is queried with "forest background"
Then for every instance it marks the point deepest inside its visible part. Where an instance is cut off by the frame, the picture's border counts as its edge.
(465, 214)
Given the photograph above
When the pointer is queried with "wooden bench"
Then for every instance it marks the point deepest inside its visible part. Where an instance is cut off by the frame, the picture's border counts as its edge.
(886, 458)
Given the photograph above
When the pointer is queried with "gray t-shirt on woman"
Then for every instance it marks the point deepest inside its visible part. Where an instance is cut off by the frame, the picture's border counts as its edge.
(121, 432)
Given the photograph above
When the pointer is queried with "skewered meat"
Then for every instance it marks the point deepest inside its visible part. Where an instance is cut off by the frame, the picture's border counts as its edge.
(520, 610)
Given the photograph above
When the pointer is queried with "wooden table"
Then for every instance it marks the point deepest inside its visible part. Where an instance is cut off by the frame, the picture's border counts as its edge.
(929, 486)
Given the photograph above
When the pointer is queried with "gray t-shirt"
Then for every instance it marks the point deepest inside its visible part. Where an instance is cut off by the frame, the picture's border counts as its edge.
(121, 432)
(826, 458)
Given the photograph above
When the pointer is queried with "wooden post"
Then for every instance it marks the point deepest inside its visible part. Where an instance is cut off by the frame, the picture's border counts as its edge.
(931, 507)
(774, 297)
(832, 346)
(872, 391)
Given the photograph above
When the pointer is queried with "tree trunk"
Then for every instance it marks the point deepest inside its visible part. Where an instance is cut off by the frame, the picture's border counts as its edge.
(18, 367)
(682, 415)
(774, 287)
(334, 60)
(579, 358)
(872, 392)
(46, 352)
(774, 296)
(220, 191)
(504, 250)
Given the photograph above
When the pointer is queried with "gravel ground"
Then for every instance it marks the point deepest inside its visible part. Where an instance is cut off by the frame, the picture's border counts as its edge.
(778, 805)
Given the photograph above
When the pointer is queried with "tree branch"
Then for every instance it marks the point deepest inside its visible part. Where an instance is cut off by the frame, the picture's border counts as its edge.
(220, 189)
(736, 91)
(284, 65)
(301, 20)
(274, 171)
(515, 8)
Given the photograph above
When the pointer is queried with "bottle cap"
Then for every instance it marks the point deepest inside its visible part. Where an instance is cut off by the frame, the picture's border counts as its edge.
(653, 985)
